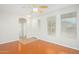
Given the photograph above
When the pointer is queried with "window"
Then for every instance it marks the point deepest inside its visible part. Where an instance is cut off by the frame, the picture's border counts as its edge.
(68, 24)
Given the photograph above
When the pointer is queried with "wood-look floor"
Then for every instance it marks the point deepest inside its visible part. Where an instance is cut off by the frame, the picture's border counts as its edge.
(35, 47)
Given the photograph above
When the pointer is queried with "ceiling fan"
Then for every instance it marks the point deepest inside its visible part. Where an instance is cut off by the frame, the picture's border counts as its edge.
(39, 8)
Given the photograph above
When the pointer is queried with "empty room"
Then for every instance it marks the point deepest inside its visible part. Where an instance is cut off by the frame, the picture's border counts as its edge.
(39, 29)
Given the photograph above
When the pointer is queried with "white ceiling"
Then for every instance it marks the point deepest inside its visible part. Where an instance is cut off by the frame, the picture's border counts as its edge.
(25, 9)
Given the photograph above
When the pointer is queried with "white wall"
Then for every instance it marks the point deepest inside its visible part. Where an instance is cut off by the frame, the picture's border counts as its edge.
(59, 38)
(9, 28)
